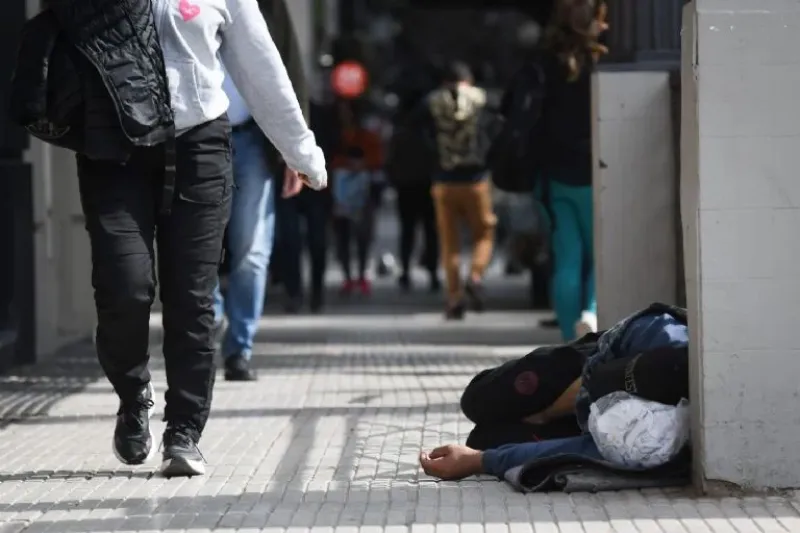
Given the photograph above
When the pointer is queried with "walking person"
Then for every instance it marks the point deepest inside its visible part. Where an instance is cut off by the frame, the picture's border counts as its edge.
(353, 218)
(302, 223)
(251, 229)
(410, 165)
(355, 165)
(461, 189)
(154, 170)
(566, 57)
(309, 211)
(415, 210)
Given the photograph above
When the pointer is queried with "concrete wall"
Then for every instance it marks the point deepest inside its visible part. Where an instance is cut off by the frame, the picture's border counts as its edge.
(302, 13)
(741, 192)
(634, 194)
(64, 302)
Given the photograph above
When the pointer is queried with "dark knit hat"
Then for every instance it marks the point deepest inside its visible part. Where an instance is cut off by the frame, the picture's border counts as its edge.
(660, 375)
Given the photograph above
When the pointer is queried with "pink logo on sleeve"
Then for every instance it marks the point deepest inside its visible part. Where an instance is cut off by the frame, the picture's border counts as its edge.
(188, 10)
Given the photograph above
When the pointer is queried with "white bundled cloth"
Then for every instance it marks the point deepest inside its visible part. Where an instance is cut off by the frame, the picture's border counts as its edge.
(635, 433)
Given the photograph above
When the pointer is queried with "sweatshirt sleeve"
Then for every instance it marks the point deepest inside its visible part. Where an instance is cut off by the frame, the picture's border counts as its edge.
(256, 67)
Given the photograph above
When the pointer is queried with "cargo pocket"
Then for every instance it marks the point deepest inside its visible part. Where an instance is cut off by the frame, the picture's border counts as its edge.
(213, 192)
(205, 170)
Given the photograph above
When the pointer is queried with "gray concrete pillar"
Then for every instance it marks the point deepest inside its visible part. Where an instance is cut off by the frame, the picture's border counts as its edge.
(635, 198)
(740, 198)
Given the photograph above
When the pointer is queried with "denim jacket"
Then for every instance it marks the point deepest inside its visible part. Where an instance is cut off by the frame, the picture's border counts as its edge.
(660, 325)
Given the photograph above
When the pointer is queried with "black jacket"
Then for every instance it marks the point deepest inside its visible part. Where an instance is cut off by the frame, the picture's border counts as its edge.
(566, 116)
(90, 77)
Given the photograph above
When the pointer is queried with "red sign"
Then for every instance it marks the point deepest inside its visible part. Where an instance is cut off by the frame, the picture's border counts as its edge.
(349, 79)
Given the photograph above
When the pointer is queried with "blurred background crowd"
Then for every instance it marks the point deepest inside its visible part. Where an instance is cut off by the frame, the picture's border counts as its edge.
(369, 82)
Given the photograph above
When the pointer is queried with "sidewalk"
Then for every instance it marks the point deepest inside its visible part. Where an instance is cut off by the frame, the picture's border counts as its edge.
(327, 441)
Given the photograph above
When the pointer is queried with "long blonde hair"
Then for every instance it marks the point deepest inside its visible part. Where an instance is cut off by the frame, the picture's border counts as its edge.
(573, 32)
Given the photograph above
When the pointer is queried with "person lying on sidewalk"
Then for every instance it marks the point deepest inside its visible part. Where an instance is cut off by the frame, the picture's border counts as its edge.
(659, 375)
(536, 397)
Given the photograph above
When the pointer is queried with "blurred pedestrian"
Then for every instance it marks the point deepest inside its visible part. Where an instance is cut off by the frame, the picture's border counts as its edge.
(302, 223)
(461, 189)
(251, 229)
(352, 217)
(410, 165)
(356, 164)
(567, 57)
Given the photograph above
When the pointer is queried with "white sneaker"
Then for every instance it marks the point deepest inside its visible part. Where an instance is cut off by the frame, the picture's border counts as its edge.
(587, 324)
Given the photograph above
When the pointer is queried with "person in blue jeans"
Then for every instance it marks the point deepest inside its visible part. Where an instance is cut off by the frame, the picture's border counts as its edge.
(249, 239)
(259, 174)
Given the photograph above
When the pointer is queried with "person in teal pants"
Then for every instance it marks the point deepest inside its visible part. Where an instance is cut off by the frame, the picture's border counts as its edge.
(573, 287)
(562, 154)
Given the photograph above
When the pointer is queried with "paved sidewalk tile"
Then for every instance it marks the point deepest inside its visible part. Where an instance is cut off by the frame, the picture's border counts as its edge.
(326, 442)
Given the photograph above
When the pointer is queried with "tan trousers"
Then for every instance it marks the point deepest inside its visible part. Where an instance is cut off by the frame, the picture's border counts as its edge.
(470, 203)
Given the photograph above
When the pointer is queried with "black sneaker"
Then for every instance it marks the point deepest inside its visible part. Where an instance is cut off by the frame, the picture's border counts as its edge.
(404, 282)
(548, 323)
(237, 368)
(133, 442)
(181, 455)
(435, 284)
(474, 292)
(293, 305)
(455, 312)
(317, 303)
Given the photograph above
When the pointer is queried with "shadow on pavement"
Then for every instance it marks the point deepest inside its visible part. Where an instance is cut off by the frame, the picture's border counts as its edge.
(32, 391)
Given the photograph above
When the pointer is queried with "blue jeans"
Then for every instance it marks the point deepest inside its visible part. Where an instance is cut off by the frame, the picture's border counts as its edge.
(498, 461)
(573, 254)
(251, 230)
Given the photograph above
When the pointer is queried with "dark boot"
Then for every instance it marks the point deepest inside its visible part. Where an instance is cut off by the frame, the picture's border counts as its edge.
(237, 368)
(475, 296)
(455, 312)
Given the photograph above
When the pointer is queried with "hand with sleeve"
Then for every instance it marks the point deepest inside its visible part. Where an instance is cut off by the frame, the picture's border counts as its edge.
(256, 67)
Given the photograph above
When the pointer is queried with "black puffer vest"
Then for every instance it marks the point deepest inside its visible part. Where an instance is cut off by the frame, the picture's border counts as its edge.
(91, 78)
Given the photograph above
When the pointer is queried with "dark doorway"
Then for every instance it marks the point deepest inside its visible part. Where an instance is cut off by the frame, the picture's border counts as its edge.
(17, 276)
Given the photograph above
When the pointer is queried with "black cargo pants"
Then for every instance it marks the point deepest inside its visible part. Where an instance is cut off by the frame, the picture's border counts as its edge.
(123, 204)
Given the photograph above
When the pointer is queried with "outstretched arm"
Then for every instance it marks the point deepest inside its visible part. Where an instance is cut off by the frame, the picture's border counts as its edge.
(453, 462)
(253, 61)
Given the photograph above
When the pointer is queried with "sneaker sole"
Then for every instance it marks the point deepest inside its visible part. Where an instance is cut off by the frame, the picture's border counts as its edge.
(582, 329)
(181, 467)
(152, 450)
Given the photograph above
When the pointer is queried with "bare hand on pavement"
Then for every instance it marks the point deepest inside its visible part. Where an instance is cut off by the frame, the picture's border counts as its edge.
(452, 462)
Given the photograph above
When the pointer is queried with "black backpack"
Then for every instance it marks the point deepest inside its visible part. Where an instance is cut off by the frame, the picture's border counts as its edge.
(514, 155)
